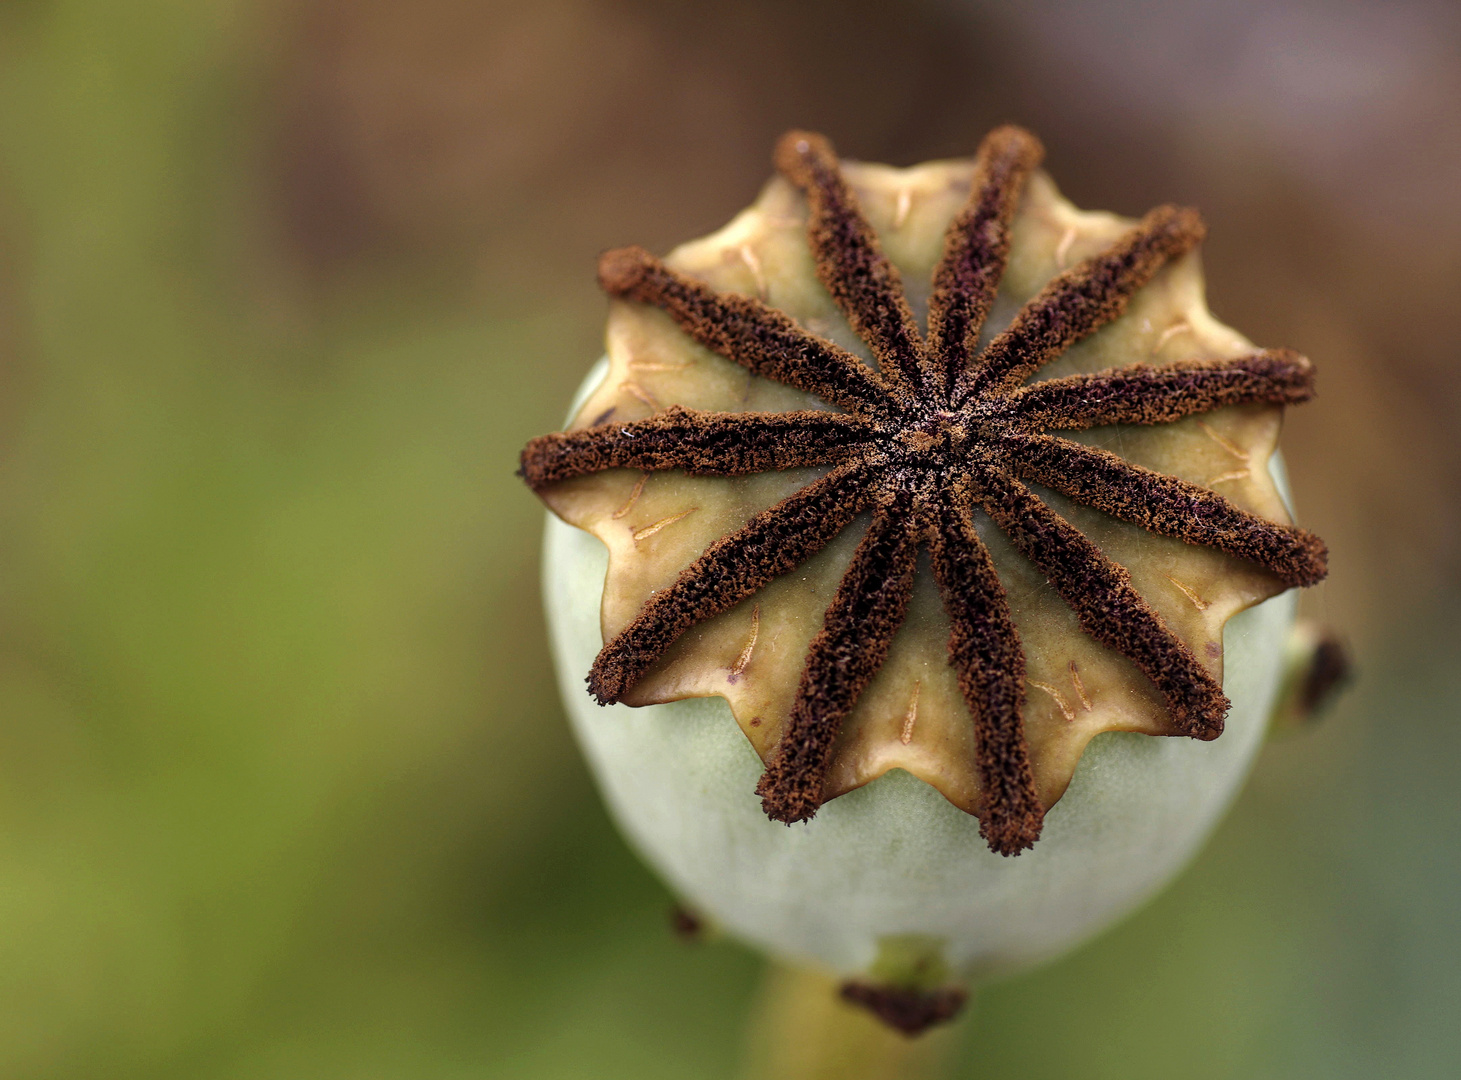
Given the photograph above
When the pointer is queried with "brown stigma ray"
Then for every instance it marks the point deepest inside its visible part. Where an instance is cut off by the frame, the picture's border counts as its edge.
(1108, 607)
(749, 332)
(851, 264)
(984, 648)
(1079, 302)
(731, 569)
(931, 436)
(847, 652)
(976, 250)
(1160, 395)
(699, 443)
(1171, 507)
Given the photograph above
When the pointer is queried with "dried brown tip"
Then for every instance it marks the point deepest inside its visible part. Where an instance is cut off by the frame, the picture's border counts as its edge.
(800, 155)
(687, 926)
(906, 1009)
(1011, 143)
(623, 270)
(1308, 559)
(1329, 671)
(1319, 669)
(1009, 827)
(1176, 229)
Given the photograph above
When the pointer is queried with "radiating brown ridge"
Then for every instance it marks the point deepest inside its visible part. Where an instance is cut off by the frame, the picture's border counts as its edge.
(938, 430)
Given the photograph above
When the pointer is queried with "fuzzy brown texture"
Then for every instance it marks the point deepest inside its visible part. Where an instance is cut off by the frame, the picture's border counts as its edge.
(925, 465)
(1108, 607)
(975, 251)
(754, 335)
(847, 652)
(731, 569)
(984, 648)
(699, 443)
(850, 261)
(1171, 507)
(1080, 301)
(909, 1010)
(1159, 395)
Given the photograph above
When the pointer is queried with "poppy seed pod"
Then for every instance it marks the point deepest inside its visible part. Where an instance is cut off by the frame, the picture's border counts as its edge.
(925, 537)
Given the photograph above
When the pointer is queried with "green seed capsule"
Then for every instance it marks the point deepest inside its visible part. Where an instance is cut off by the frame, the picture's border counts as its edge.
(921, 568)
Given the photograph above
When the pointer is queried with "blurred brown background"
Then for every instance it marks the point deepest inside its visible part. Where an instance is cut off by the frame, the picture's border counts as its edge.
(284, 787)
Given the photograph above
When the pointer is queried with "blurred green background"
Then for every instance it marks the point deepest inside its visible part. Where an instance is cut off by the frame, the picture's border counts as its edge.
(285, 790)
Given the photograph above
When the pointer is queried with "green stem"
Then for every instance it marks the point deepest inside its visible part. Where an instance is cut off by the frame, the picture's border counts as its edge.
(801, 1029)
